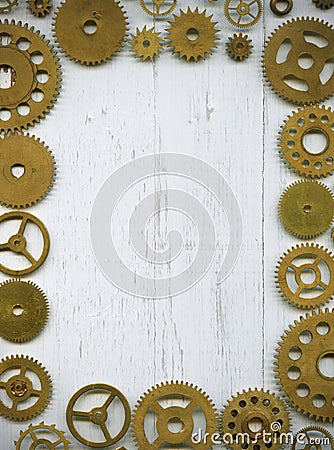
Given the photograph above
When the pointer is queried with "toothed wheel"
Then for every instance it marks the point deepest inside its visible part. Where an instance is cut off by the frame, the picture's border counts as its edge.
(239, 47)
(146, 44)
(9, 6)
(158, 8)
(42, 435)
(243, 13)
(313, 436)
(39, 8)
(323, 4)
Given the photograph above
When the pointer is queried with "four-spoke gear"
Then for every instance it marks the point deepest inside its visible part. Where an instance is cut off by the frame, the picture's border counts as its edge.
(242, 13)
(158, 8)
(313, 437)
(287, 7)
(42, 436)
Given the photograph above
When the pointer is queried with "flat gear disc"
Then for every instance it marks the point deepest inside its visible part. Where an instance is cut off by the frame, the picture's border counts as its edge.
(39, 8)
(299, 370)
(302, 86)
(253, 406)
(243, 13)
(172, 392)
(39, 171)
(293, 151)
(306, 437)
(323, 4)
(36, 73)
(306, 208)
(72, 18)
(239, 47)
(146, 44)
(18, 387)
(42, 435)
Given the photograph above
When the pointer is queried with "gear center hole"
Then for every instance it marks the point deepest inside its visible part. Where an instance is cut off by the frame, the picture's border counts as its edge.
(175, 425)
(315, 141)
(38, 4)
(43, 446)
(146, 43)
(305, 61)
(17, 170)
(192, 34)
(326, 365)
(256, 425)
(308, 276)
(90, 27)
(7, 76)
(17, 310)
(307, 209)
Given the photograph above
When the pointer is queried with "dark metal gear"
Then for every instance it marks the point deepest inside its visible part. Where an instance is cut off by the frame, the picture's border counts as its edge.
(42, 436)
(323, 4)
(39, 8)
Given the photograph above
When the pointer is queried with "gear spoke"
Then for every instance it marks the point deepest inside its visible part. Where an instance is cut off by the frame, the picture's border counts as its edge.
(109, 400)
(84, 415)
(4, 247)
(105, 432)
(33, 435)
(29, 256)
(23, 225)
(35, 393)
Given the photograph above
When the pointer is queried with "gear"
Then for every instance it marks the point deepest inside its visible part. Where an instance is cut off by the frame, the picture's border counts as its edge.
(239, 47)
(192, 34)
(163, 401)
(308, 436)
(9, 6)
(24, 310)
(306, 208)
(18, 243)
(39, 171)
(146, 44)
(154, 9)
(17, 387)
(278, 11)
(323, 4)
(242, 13)
(301, 364)
(90, 32)
(39, 8)
(289, 76)
(255, 407)
(35, 76)
(42, 435)
(292, 141)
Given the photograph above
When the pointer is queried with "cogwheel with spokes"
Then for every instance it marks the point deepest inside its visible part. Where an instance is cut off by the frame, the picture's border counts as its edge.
(39, 8)
(146, 44)
(8, 7)
(43, 436)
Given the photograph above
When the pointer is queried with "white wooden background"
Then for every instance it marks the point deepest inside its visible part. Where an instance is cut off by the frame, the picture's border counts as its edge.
(219, 337)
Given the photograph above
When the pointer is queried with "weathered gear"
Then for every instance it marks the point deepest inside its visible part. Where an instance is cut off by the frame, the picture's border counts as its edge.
(192, 34)
(158, 8)
(292, 146)
(323, 4)
(39, 8)
(298, 364)
(239, 47)
(42, 435)
(283, 11)
(24, 310)
(9, 6)
(171, 392)
(18, 243)
(308, 436)
(306, 208)
(146, 44)
(86, 47)
(255, 406)
(283, 75)
(242, 13)
(19, 388)
(39, 167)
(35, 76)
(98, 415)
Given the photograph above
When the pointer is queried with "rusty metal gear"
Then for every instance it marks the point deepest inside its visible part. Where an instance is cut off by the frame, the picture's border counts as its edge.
(9, 6)
(192, 34)
(173, 412)
(90, 32)
(313, 436)
(306, 208)
(293, 147)
(38, 171)
(22, 396)
(39, 8)
(255, 408)
(158, 8)
(242, 13)
(323, 4)
(42, 435)
(34, 74)
(239, 47)
(146, 44)
(297, 81)
(301, 364)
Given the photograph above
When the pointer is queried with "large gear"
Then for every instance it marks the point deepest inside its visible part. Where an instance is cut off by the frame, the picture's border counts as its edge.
(323, 4)
(163, 401)
(192, 34)
(20, 390)
(42, 435)
(293, 146)
(313, 436)
(301, 368)
(146, 44)
(306, 208)
(90, 32)
(242, 13)
(290, 77)
(39, 8)
(252, 413)
(9, 6)
(35, 76)
(239, 47)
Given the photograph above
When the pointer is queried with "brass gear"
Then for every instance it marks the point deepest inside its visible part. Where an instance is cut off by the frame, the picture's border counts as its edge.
(292, 146)
(323, 4)
(298, 364)
(253, 406)
(146, 44)
(278, 11)
(281, 75)
(306, 208)
(36, 72)
(307, 436)
(189, 25)
(42, 435)
(39, 8)
(158, 8)
(239, 47)
(243, 13)
(38, 177)
(9, 6)
(24, 310)
(172, 392)
(90, 49)
(19, 388)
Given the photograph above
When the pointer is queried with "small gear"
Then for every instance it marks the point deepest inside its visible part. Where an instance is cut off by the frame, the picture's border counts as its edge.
(42, 435)
(303, 364)
(173, 403)
(242, 13)
(146, 44)
(317, 437)
(239, 47)
(20, 389)
(39, 8)
(323, 4)
(158, 8)
(306, 208)
(90, 32)
(9, 6)
(255, 407)
(292, 78)
(293, 145)
(192, 34)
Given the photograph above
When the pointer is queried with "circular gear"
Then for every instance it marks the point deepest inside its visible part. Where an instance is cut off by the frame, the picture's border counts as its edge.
(42, 435)
(306, 208)
(239, 47)
(23, 397)
(158, 8)
(173, 404)
(242, 13)
(192, 34)
(146, 44)
(297, 153)
(39, 8)
(313, 436)
(36, 171)
(291, 77)
(9, 6)
(323, 4)
(257, 414)
(90, 32)
(302, 368)
(287, 7)
(34, 72)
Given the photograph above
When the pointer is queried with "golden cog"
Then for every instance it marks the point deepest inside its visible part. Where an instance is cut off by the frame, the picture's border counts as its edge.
(39, 8)
(239, 47)
(163, 402)
(9, 6)
(146, 44)
(42, 435)
(242, 13)
(90, 32)
(20, 390)
(305, 438)
(301, 364)
(158, 8)
(306, 208)
(323, 4)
